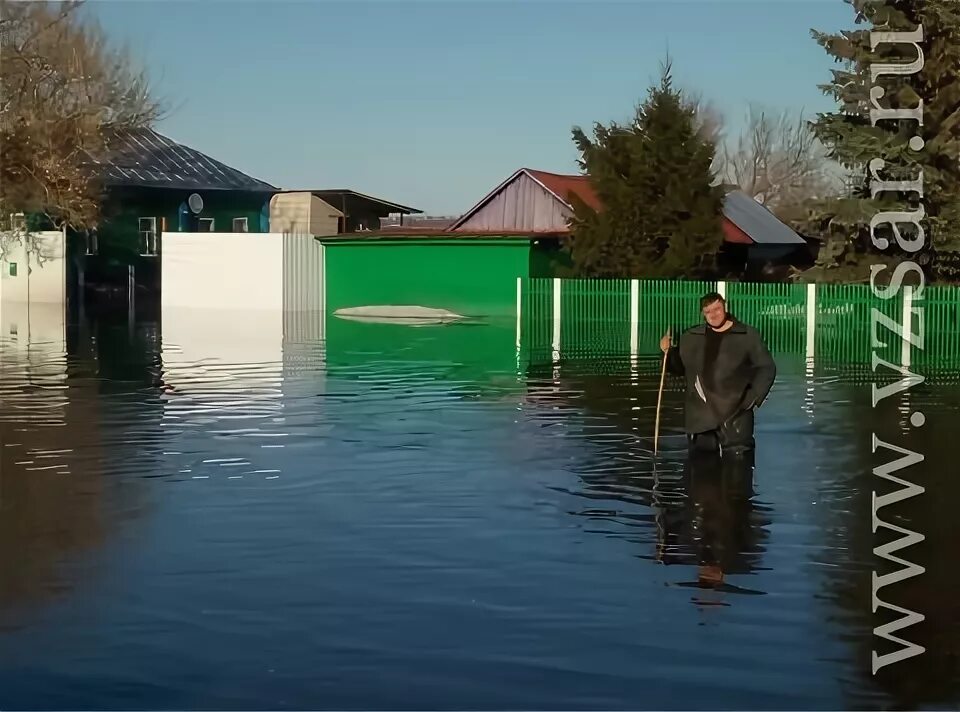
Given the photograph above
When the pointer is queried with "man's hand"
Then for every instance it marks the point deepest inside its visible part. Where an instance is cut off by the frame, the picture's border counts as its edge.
(666, 340)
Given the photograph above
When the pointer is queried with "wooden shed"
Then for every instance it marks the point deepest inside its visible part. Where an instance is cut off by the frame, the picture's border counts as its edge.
(303, 213)
(359, 212)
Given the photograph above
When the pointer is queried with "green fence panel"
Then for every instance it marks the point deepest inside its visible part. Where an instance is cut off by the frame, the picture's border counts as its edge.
(668, 304)
(777, 311)
(595, 317)
(940, 308)
(844, 320)
(537, 315)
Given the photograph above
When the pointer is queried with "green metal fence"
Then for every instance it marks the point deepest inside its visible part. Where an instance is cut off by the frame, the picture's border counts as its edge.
(537, 313)
(667, 304)
(596, 314)
(778, 311)
(941, 329)
(620, 317)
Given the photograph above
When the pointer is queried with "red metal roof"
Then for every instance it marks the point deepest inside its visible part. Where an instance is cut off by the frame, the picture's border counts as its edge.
(748, 211)
(564, 185)
(734, 234)
(439, 234)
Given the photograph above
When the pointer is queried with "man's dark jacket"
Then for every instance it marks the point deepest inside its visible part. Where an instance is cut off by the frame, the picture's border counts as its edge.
(744, 373)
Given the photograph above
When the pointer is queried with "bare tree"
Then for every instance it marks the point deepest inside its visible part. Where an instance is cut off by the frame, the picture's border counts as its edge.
(709, 119)
(37, 247)
(63, 92)
(778, 161)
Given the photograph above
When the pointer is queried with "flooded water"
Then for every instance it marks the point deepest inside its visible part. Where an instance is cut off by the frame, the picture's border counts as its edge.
(425, 519)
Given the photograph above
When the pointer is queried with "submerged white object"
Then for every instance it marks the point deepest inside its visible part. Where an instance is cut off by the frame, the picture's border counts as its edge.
(391, 314)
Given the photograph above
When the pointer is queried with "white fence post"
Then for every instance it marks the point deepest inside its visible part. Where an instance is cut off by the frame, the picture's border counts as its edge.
(519, 308)
(634, 317)
(722, 289)
(811, 320)
(556, 317)
(907, 326)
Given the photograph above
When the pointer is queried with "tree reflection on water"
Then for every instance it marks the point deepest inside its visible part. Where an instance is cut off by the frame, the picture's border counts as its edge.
(61, 392)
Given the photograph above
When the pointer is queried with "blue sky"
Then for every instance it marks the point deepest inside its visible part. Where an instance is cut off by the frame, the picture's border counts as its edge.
(432, 103)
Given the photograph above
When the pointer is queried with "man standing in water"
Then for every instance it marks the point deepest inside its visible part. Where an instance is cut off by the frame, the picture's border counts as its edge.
(729, 373)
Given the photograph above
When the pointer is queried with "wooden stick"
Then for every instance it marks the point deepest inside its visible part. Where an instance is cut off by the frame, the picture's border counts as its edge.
(663, 376)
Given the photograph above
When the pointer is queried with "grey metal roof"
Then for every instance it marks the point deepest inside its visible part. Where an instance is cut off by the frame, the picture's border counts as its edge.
(763, 227)
(147, 159)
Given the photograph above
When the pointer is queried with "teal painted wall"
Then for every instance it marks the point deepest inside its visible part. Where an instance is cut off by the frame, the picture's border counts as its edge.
(119, 234)
(471, 277)
(119, 238)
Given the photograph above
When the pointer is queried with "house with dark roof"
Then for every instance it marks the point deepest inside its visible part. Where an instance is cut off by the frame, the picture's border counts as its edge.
(153, 184)
(757, 244)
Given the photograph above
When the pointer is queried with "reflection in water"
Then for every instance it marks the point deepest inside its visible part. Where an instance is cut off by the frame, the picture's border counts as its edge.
(39, 516)
(223, 379)
(718, 525)
(702, 509)
(72, 414)
(933, 677)
(815, 458)
(237, 514)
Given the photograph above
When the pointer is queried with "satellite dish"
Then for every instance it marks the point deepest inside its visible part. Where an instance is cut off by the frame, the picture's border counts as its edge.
(196, 203)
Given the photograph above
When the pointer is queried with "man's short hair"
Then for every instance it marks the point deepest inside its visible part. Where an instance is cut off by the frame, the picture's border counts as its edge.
(708, 299)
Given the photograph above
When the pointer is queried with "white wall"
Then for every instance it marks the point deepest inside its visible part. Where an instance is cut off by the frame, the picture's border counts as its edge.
(246, 272)
(228, 301)
(209, 270)
(33, 303)
(221, 308)
(40, 258)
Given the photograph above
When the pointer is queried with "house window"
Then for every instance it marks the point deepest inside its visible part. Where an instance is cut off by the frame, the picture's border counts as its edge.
(18, 221)
(92, 239)
(13, 269)
(205, 225)
(148, 237)
(240, 225)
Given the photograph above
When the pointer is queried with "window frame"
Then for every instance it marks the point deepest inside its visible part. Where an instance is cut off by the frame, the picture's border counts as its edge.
(91, 240)
(148, 238)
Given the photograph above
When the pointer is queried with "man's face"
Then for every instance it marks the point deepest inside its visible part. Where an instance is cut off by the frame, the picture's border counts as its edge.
(715, 314)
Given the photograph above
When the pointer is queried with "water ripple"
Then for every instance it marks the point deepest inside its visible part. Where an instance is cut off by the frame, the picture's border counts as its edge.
(367, 524)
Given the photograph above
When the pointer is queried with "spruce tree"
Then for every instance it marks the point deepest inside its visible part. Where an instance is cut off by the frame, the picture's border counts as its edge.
(661, 206)
(853, 140)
